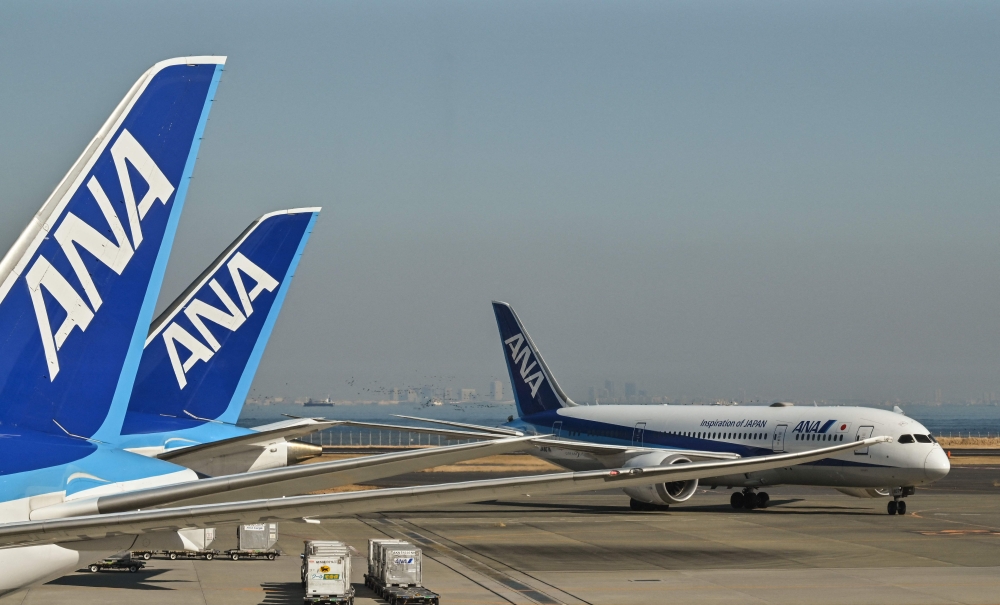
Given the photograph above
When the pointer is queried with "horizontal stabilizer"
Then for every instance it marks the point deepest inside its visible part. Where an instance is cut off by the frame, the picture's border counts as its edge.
(193, 455)
(322, 506)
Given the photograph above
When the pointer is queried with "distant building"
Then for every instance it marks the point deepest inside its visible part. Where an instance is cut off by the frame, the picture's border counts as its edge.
(449, 394)
(467, 394)
(592, 394)
(609, 386)
(629, 390)
(496, 391)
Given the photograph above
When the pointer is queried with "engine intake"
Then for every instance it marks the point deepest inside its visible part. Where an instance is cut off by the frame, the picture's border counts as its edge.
(673, 492)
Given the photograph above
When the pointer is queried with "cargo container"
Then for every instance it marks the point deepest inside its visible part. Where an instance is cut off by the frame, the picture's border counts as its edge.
(194, 545)
(395, 573)
(326, 573)
(256, 541)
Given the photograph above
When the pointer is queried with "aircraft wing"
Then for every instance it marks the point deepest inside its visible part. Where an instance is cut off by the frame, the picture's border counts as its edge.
(601, 449)
(322, 506)
(280, 482)
(193, 454)
(476, 431)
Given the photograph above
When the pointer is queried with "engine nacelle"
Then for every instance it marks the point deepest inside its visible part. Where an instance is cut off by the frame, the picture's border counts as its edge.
(866, 492)
(673, 492)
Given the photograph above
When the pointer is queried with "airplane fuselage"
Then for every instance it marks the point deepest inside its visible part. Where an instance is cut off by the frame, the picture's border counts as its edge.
(753, 431)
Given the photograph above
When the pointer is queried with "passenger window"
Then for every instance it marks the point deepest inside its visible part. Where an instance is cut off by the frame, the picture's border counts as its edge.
(922, 438)
(906, 438)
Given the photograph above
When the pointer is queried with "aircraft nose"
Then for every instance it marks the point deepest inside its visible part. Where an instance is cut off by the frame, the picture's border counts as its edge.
(936, 465)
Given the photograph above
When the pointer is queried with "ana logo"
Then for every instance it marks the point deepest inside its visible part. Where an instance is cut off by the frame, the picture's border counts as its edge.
(522, 356)
(73, 232)
(232, 318)
(815, 427)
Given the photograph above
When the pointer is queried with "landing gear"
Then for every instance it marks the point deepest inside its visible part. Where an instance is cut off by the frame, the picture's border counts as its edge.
(748, 499)
(898, 506)
(639, 505)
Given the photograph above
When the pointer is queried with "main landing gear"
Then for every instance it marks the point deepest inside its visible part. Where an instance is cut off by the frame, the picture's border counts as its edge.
(749, 499)
(897, 506)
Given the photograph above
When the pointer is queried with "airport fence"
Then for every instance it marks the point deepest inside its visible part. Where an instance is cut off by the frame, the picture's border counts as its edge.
(345, 436)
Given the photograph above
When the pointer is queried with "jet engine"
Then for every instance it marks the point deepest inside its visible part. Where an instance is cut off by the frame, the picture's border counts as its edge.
(673, 492)
(866, 492)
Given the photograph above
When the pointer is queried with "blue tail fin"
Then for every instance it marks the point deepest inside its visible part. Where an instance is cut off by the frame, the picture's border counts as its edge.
(202, 352)
(535, 389)
(78, 288)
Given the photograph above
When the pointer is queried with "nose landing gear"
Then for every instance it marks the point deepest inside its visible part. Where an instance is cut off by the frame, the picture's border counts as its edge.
(897, 506)
(749, 499)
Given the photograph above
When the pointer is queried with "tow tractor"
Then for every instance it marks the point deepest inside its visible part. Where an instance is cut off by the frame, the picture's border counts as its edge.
(118, 564)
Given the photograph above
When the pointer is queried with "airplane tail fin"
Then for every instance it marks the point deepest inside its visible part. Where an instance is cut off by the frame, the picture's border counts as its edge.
(78, 287)
(535, 389)
(202, 352)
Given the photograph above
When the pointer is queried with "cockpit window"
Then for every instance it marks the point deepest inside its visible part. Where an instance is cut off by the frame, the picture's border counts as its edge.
(923, 438)
(906, 438)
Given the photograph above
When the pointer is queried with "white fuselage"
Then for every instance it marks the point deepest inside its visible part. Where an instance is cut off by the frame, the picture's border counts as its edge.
(750, 431)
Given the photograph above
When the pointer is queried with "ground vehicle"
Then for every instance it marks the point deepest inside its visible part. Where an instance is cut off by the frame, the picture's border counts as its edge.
(256, 541)
(117, 563)
(208, 555)
(395, 573)
(326, 573)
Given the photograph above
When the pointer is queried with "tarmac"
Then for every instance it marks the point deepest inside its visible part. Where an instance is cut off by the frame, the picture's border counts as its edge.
(811, 545)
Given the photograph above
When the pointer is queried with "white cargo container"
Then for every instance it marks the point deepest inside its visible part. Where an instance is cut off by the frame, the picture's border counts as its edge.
(395, 573)
(373, 558)
(326, 573)
(400, 565)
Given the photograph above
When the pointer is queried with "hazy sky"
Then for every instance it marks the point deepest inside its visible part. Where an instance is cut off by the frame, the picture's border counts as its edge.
(798, 199)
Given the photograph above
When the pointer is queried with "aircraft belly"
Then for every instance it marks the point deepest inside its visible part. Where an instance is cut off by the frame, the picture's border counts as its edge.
(823, 476)
(568, 459)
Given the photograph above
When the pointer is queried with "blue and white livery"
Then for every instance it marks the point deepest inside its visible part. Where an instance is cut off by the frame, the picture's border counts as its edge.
(202, 352)
(609, 436)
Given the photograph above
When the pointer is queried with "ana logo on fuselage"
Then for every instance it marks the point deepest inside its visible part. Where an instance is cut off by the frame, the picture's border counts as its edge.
(522, 356)
(818, 426)
(73, 232)
(232, 318)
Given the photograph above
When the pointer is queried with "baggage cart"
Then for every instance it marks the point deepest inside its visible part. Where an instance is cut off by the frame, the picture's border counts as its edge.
(395, 573)
(256, 541)
(326, 573)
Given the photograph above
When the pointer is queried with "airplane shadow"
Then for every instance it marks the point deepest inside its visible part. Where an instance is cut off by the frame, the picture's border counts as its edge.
(116, 579)
(282, 593)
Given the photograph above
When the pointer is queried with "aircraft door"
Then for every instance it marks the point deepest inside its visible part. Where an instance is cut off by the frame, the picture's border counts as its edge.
(637, 433)
(557, 428)
(778, 443)
(864, 432)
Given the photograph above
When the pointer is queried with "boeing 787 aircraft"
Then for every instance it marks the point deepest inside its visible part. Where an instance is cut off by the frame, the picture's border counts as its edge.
(77, 292)
(610, 436)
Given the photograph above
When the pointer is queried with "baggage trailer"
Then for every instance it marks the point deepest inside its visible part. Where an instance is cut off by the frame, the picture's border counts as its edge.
(194, 545)
(395, 573)
(326, 573)
(256, 541)
(173, 555)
